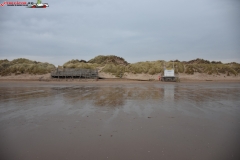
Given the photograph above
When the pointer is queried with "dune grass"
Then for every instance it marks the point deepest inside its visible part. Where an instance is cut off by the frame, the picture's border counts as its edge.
(118, 66)
(111, 59)
(153, 67)
(213, 69)
(157, 67)
(22, 65)
(80, 64)
(117, 70)
(147, 67)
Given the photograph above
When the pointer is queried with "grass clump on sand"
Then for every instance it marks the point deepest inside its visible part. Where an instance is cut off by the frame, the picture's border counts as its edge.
(22, 65)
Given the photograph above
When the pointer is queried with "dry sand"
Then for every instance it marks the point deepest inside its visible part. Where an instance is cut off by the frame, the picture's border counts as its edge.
(130, 76)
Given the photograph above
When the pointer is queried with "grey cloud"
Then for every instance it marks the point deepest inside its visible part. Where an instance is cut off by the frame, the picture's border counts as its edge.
(135, 30)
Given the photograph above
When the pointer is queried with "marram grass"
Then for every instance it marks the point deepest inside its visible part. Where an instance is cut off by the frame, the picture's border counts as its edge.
(118, 66)
(22, 65)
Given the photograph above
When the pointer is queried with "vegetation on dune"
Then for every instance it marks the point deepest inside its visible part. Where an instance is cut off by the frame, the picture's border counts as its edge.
(153, 67)
(190, 67)
(108, 60)
(117, 70)
(198, 61)
(111, 64)
(22, 65)
(75, 61)
(80, 64)
(140, 67)
(213, 69)
(145, 67)
(118, 66)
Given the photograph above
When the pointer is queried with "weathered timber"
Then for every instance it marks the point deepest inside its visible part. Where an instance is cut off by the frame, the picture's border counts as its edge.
(75, 73)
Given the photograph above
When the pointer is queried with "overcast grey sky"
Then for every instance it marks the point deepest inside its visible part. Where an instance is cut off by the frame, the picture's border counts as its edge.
(137, 30)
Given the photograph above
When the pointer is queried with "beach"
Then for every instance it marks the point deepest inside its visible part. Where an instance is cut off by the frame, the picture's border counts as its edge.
(119, 120)
(127, 76)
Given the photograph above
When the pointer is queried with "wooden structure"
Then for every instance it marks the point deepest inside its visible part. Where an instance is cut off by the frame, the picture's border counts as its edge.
(75, 73)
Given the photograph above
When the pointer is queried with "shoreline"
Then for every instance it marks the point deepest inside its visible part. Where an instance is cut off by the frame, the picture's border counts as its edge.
(197, 77)
(115, 80)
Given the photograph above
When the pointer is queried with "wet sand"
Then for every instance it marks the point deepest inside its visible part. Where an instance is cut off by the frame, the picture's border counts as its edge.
(119, 120)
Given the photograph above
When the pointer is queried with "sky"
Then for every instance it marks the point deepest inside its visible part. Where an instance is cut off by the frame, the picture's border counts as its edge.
(137, 30)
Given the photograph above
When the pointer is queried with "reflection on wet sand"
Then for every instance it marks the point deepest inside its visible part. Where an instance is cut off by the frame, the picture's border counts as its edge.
(23, 94)
(110, 96)
(120, 121)
(169, 92)
(139, 99)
